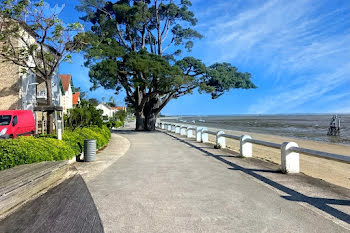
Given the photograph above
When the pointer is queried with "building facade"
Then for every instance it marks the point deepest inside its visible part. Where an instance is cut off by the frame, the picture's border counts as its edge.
(66, 92)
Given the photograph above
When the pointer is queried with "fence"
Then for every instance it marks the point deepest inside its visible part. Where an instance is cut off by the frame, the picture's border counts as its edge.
(289, 150)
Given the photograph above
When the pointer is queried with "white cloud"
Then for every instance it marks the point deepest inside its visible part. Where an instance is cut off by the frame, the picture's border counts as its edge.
(302, 45)
(290, 97)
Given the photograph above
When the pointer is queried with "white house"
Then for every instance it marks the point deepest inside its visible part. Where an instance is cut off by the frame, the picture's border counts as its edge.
(109, 111)
(66, 92)
(106, 110)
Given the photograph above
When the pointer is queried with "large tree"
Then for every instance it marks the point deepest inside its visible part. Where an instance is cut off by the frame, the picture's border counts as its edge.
(135, 45)
(33, 37)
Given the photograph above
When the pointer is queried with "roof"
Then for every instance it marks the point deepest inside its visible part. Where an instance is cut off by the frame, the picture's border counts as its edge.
(65, 80)
(76, 97)
(118, 108)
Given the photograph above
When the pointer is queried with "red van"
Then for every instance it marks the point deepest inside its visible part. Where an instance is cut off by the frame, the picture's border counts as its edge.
(14, 123)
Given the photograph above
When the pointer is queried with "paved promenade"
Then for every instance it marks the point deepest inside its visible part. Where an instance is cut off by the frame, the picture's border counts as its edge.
(163, 184)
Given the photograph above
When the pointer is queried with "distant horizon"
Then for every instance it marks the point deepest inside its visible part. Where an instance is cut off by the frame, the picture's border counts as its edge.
(265, 114)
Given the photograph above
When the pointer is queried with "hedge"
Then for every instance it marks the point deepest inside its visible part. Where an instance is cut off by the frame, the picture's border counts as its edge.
(76, 138)
(114, 124)
(25, 150)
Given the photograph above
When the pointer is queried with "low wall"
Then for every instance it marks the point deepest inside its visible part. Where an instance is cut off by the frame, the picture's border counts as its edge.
(332, 171)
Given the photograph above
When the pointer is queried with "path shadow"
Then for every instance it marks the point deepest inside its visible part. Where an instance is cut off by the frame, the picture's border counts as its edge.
(292, 195)
(65, 208)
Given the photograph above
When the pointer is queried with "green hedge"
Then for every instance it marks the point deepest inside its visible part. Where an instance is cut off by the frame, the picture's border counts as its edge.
(114, 124)
(25, 150)
(76, 137)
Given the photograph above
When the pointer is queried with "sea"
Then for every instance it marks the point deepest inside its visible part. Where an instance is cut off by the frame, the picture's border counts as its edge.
(309, 127)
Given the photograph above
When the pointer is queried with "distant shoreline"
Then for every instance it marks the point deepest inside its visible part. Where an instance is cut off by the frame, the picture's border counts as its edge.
(301, 127)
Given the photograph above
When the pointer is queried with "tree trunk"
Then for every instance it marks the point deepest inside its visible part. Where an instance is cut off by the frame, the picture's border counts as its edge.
(49, 103)
(140, 121)
(150, 122)
(150, 116)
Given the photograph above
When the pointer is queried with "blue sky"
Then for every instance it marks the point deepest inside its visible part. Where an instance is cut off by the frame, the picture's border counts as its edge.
(297, 51)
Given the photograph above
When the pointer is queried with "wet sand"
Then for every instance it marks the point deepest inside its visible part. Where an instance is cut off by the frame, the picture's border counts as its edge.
(331, 171)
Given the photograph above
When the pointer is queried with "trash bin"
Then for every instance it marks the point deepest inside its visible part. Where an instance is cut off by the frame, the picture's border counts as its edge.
(89, 150)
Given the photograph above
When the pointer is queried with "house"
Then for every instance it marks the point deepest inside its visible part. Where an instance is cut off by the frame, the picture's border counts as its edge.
(24, 91)
(17, 91)
(41, 94)
(109, 111)
(117, 108)
(76, 98)
(66, 92)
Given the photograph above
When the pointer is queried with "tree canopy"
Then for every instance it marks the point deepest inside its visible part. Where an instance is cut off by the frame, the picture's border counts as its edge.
(33, 37)
(136, 45)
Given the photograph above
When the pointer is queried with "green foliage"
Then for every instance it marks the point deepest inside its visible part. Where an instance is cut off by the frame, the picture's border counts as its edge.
(127, 48)
(114, 124)
(53, 38)
(76, 138)
(26, 150)
(120, 115)
(93, 101)
(83, 115)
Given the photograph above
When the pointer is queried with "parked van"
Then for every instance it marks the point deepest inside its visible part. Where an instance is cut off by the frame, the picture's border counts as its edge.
(14, 123)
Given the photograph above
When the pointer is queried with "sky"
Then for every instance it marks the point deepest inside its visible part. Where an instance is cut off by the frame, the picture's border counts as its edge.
(298, 53)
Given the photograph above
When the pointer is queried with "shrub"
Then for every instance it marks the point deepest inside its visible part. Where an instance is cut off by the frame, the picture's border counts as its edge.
(25, 150)
(114, 124)
(76, 138)
(83, 115)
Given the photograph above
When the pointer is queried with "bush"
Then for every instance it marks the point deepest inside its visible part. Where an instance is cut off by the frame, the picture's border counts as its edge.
(83, 115)
(76, 138)
(25, 150)
(114, 124)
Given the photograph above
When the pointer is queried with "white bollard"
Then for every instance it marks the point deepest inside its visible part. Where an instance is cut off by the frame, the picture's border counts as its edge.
(189, 132)
(177, 129)
(289, 159)
(220, 140)
(162, 125)
(183, 130)
(205, 136)
(173, 128)
(246, 148)
(169, 128)
(199, 134)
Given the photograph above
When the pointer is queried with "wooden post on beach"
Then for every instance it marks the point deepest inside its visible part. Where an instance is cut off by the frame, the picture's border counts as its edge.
(220, 140)
(289, 159)
(334, 126)
(246, 148)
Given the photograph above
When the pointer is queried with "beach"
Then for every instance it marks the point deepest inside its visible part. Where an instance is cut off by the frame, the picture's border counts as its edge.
(308, 131)
(328, 170)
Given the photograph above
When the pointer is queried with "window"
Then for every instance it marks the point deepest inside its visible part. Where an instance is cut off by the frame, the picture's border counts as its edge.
(5, 119)
(14, 121)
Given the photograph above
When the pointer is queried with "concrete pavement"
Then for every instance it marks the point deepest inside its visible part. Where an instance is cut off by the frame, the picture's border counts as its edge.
(164, 184)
